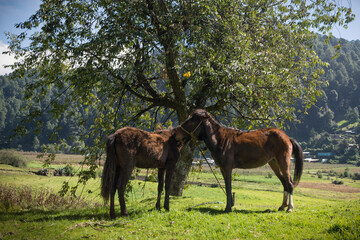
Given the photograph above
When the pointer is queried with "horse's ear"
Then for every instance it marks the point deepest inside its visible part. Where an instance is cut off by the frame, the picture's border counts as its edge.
(204, 114)
(201, 113)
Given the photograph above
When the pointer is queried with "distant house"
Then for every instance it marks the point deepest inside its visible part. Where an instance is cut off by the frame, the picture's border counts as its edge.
(311, 160)
(308, 157)
(336, 136)
(210, 161)
(198, 161)
(353, 146)
(350, 132)
(306, 154)
(325, 156)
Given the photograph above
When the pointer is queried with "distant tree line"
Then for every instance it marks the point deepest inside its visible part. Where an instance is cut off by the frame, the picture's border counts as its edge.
(13, 110)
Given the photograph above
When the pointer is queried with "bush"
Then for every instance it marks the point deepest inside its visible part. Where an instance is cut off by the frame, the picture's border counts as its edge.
(68, 170)
(269, 175)
(332, 173)
(356, 176)
(43, 172)
(338, 182)
(151, 178)
(11, 157)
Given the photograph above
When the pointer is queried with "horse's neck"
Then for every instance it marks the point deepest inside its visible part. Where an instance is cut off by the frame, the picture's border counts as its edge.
(212, 137)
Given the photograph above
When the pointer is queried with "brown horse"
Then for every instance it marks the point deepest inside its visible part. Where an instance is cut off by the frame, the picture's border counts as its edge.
(232, 148)
(128, 148)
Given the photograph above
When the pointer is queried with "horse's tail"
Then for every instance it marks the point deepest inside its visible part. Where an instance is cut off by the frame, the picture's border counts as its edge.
(299, 161)
(109, 172)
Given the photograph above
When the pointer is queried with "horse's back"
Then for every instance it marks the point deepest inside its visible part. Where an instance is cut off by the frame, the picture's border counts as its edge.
(262, 137)
(141, 148)
(256, 148)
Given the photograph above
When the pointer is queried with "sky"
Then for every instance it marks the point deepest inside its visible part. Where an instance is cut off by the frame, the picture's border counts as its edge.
(16, 11)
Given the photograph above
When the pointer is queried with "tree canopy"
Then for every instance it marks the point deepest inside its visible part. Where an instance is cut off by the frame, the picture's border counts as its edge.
(133, 61)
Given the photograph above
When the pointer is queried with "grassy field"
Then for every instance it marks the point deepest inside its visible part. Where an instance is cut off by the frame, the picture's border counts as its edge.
(323, 210)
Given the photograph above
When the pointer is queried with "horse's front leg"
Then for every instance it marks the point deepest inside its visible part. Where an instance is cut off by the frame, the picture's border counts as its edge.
(160, 186)
(227, 178)
(169, 174)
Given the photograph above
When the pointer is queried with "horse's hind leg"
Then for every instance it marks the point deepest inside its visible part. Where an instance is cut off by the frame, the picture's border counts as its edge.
(160, 186)
(286, 182)
(112, 194)
(125, 175)
(112, 204)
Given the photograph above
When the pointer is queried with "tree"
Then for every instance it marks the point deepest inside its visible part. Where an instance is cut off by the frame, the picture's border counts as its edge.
(352, 114)
(131, 62)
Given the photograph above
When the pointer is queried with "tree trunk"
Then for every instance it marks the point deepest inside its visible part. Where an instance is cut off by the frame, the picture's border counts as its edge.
(182, 169)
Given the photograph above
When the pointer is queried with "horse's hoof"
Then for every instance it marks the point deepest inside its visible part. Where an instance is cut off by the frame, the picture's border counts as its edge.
(281, 209)
(125, 214)
(289, 210)
(112, 215)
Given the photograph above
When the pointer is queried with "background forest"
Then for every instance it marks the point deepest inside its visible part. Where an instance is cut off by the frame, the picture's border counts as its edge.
(331, 127)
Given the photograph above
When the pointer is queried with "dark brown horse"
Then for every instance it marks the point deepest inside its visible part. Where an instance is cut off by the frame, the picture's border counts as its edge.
(128, 148)
(232, 148)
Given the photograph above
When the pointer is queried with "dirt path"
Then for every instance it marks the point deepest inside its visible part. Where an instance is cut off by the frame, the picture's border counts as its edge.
(329, 187)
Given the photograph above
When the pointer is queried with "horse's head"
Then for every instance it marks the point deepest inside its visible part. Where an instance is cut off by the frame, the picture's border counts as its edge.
(192, 127)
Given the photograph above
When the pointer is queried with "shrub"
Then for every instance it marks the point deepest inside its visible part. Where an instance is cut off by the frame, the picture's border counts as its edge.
(152, 177)
(11, 157)
(68, 170)
(332, 173)
(346, 172)
(269, 175)
(43, 172)
(338, 182)
(356, 176)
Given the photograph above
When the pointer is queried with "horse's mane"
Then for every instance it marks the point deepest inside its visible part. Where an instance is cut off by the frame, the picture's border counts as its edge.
(218, 126)
(167, 130)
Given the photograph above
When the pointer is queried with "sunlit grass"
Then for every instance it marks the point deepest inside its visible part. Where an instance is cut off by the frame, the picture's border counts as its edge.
(318, 214)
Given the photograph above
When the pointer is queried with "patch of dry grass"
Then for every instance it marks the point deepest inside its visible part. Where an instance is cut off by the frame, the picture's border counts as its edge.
(13, 197)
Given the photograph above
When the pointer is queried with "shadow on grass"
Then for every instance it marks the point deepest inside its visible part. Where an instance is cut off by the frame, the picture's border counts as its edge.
(94, 214)
(102, 213)
(216, 211)
(38, 215)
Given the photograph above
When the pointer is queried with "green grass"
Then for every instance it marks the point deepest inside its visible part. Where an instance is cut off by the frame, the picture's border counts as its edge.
(318, 214)
(346, 125)
(312, 219)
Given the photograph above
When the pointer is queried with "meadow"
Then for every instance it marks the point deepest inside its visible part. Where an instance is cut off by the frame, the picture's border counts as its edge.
(31, 209)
